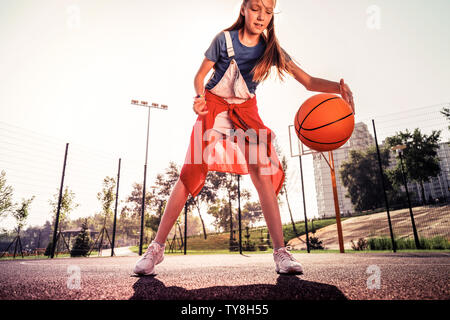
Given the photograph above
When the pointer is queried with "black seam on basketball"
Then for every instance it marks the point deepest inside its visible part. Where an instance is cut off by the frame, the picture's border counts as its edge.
(315, 109)
(296, 120)
(325, 142)
(328, 123)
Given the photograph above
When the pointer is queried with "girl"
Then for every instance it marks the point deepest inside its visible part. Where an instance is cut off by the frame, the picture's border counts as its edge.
(229, 135)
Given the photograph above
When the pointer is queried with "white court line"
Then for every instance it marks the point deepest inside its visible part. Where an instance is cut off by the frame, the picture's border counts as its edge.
(59, 264)
(312, 263)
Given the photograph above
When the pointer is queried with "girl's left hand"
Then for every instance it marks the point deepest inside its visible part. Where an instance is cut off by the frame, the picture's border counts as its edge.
(347, 94)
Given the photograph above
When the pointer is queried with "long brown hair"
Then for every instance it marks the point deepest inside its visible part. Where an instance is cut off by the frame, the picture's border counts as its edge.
(273, 55)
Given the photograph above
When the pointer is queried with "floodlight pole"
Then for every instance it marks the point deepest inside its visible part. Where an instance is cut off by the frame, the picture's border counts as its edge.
(153, 105)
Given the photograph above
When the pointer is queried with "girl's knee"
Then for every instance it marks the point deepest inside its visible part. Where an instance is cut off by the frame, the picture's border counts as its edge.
(257, 176)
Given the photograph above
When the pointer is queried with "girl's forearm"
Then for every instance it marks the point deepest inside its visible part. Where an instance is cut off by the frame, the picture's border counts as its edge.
(322, 85)
(199, 85)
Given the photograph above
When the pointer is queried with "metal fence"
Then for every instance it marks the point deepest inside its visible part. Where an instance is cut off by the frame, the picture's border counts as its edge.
(34, 164)
(414, 214)
(408, 207)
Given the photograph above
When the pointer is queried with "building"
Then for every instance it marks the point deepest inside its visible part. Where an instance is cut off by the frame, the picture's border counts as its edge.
(360, 140)
(438, 188)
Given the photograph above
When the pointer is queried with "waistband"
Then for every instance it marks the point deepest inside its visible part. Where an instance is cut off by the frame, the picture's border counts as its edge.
(216, 99)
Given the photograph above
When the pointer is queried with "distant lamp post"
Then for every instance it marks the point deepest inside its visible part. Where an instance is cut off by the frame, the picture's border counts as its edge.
(153, 105)
(398, 149)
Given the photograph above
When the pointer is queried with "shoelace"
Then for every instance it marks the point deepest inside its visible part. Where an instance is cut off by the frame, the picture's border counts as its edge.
(285, 254)
(150, 250)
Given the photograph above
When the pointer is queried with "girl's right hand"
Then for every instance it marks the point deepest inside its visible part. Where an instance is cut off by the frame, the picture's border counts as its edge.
(200, 106)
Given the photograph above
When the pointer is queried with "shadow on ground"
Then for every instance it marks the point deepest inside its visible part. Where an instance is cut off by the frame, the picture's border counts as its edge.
(287, 288)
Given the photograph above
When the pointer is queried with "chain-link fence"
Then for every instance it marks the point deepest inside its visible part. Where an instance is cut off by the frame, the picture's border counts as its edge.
(35, 165)
(411, 204)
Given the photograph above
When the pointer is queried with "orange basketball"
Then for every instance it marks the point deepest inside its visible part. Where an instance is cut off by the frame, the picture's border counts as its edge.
(324, 122)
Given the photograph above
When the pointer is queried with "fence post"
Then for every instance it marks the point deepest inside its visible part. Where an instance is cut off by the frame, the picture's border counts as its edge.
(394, 246)
(239, 213)
(304, 204)
(115, 211)
(405, 182)
(59, 203)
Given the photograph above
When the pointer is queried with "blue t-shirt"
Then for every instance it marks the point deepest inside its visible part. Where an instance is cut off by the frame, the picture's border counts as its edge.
(246, 58)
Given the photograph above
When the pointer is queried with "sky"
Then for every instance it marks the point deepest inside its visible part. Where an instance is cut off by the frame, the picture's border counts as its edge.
(69, 69)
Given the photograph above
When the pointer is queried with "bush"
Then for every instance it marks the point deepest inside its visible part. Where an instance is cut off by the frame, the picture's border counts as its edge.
(385, 243)
(380, 243)
(315, 244)
(360, 245)
(262, 247)
(82, 243)
(249, 246)
(404, 244)
(234, 245)
(440, 243)
(48, 250)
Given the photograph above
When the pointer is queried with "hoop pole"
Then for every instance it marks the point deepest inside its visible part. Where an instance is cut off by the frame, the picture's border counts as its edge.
(336, 203)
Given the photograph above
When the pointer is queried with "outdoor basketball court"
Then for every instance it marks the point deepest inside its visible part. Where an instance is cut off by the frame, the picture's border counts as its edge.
(350, 276)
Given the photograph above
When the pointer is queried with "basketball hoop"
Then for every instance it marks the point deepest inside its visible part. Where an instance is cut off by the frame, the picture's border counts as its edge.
(303, 150)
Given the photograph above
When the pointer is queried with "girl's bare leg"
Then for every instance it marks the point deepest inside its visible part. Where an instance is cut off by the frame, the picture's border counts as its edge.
(176, 202)
(269, 202)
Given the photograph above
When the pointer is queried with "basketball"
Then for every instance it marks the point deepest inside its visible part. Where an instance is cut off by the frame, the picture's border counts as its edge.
(324, 122)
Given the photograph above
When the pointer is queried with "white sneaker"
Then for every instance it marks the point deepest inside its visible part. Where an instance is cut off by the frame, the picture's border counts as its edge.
(286, 263)
(153, 256)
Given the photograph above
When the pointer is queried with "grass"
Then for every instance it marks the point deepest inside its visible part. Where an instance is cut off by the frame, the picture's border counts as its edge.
(214, 251)
(34, 257)
(221, 241)
(385, 243)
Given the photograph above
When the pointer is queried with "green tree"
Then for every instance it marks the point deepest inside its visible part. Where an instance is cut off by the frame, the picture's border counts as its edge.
(220, 210)
(194, 224)
(161, 192)
(82, 243)
(130, 217)
(446, 112)
(67, 206)
(251, 213)
(227, 182)
(22, 212)
(361, 176)
(6, 192)
(208, 195)
(160, 195)
(420, 158)
(107, 197)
